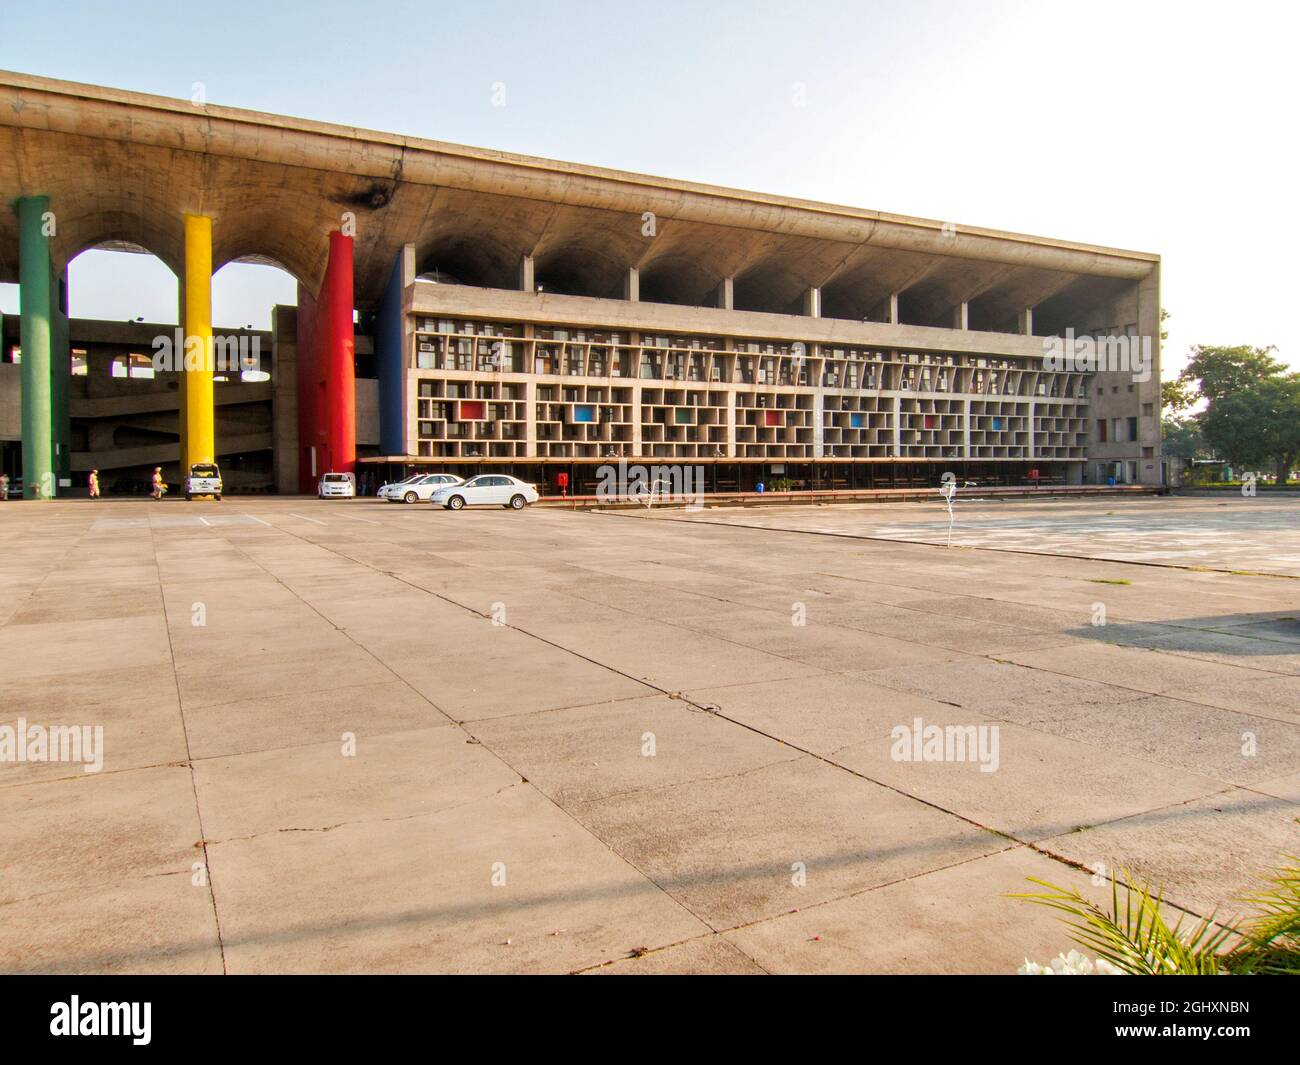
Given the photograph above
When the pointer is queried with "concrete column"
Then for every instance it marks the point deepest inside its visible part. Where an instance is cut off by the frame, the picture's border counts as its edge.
(965, 430)
(812, 303)
(632, 285)
(530, 426)
(284, 398)
(527, 281)
(199, 432)
(1025, 322)
(731, 424)
(636, 419)
(1033, 450)
(36, 332)
(890, 309)
(961, 316)
(819, 423)
(898, 427)
(390, 356)
(61, 382)
(727, 293)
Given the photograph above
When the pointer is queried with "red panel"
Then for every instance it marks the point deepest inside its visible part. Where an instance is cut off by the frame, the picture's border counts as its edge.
(773, 418)
(472, 410)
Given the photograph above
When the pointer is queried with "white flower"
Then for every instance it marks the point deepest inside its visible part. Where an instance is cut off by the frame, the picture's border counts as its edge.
(1072, 964)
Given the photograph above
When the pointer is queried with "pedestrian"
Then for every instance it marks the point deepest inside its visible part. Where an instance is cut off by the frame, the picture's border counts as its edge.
(4, 486)
(94, 484)
(158, 486)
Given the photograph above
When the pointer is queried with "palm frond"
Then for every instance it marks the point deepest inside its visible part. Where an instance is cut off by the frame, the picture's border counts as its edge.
(1271, 938)
(1135, 938)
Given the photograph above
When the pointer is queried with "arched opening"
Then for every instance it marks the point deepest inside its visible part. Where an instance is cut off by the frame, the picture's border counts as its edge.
(253, 300)
(468, 259)
(123, 409)
(678, 280)
(124, 396)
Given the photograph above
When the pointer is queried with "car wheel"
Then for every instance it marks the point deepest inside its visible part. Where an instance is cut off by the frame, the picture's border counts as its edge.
(517, 502)
(410, 497)
(456, 502)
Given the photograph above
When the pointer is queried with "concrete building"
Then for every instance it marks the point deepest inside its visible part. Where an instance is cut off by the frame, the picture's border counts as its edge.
(544, 317)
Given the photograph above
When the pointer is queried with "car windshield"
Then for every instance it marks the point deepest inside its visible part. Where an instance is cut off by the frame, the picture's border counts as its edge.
(478, 482)
(203, 471)
(336, 477)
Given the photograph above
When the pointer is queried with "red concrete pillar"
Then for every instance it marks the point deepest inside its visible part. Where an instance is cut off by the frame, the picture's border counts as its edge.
(337, 364)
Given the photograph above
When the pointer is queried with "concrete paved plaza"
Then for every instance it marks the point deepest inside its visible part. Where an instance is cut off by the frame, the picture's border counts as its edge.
(359, 737)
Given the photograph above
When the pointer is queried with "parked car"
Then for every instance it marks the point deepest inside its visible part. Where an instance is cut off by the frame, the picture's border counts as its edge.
(337, 486)
(486, 490)
(204, 480)
(388, 490)
(426, 486)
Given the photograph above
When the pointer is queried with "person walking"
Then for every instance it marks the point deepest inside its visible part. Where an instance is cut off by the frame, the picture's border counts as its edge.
(4, 486)
(94, 484)
(158, 486)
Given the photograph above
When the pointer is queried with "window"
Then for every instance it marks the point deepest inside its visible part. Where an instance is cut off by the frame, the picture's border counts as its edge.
(136, 366)
(1132, 429)
(1148, 409)
(1101, 430)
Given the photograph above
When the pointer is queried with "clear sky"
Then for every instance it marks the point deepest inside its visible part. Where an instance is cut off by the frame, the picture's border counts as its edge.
(1165, 127)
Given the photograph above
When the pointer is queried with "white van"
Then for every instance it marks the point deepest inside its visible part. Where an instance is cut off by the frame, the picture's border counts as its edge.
(337, 486)
(204, 479)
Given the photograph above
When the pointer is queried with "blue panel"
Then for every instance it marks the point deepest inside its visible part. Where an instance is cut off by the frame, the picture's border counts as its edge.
(855, 421)
(388, 359)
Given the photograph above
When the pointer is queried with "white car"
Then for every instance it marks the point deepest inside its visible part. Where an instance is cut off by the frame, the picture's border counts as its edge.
(413, 490)
(204, 479)
(487, 490)
(337, 486)
(387, 491)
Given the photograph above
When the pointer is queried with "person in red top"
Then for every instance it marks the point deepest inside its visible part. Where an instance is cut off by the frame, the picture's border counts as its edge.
(94, 484)
(158, 486)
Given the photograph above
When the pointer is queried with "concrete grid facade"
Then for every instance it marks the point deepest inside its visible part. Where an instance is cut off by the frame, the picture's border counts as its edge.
(529, 313)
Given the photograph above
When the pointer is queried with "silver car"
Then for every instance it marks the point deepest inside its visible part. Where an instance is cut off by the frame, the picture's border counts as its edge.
(421, 487)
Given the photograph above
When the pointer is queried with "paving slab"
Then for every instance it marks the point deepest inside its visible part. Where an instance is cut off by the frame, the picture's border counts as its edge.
(416, 895)
(728, 847)
(593, 752)
(1206, 855)
(951, 921)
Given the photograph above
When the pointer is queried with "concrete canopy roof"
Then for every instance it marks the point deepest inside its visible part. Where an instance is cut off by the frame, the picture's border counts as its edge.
(124, 167)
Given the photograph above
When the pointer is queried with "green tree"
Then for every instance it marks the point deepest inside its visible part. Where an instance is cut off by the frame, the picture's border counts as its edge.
(1176, 395)
(1219, 372)
(1257, 426)
(1182, 438)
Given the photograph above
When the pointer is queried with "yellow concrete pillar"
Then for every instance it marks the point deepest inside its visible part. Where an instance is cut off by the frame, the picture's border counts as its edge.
(198, 434)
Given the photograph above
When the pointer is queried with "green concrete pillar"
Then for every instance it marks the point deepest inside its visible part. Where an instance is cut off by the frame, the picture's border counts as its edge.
(36, 306)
